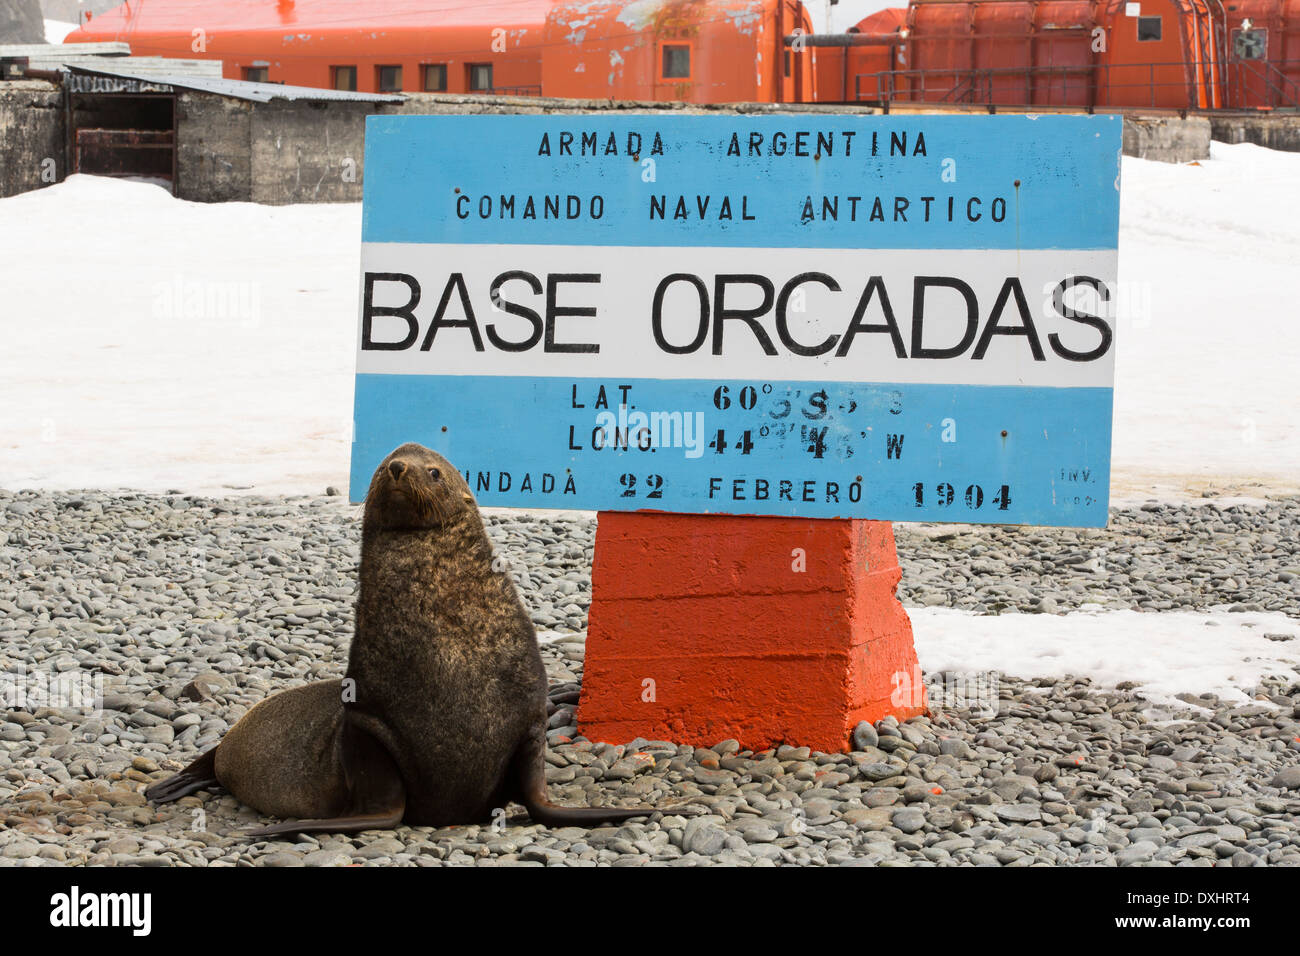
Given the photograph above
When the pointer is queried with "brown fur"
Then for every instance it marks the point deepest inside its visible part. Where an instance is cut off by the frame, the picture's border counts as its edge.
(446, 720)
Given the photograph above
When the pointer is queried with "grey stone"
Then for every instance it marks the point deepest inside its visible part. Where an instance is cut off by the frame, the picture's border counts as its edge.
(864, 736)
(908, 819)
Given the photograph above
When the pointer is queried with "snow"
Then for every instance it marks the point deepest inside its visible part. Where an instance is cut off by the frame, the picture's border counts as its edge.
(1208, 350)
(1217, 652)
(158, 344)
(56, 30)
(154, 343)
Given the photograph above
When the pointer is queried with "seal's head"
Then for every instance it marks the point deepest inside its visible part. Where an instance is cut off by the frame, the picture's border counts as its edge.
(413, 488)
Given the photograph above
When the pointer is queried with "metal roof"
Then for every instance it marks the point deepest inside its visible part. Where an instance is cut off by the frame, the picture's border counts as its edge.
(43, 50)
(236, 89)
(61, 58)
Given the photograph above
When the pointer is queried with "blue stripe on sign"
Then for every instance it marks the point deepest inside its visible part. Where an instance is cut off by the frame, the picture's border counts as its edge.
(1018, 455)
(419, 168)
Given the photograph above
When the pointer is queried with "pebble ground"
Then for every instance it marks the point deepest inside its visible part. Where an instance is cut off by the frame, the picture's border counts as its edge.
(193, 609)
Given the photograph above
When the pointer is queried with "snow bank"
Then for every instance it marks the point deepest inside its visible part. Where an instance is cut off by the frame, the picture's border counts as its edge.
(156, 344)
(1209, 350)
(1216, 652)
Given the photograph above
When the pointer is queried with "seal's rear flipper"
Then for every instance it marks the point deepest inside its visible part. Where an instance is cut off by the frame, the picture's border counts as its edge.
(550, 815)
(199, 775)
(530, 777)
(372, 821)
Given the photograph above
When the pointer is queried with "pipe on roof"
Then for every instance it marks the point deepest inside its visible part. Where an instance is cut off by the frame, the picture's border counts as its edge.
(52, 76)
(844, 39)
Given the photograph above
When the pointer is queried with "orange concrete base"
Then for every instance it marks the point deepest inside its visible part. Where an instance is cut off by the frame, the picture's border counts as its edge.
(768, 630)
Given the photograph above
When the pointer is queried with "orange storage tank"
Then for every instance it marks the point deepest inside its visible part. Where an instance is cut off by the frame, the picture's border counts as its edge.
(403, 45)
(1262, 47)
(691, 51)
(999, 52)
(1063, 54)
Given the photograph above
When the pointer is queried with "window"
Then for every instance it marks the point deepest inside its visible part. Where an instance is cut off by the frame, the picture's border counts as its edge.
(1148, 29)
(256, 74)
(787, 62)
(435, 77)
(1249, 44)
(480, 77)
(343, 78)
(677, 61)
(388, 79)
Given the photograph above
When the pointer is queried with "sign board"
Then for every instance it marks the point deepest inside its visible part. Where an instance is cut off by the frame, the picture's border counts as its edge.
(905, 318)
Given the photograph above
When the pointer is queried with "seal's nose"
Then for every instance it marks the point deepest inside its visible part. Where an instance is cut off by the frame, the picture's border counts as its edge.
(396, 468)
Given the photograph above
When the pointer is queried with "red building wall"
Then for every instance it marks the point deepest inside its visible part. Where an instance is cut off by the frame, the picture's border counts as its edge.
(302, 42)
(1262, 55)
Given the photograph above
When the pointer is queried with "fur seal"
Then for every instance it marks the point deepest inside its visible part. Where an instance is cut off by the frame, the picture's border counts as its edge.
(441, 716)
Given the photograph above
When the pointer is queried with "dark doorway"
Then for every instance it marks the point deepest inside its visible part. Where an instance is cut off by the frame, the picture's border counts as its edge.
(129, 135)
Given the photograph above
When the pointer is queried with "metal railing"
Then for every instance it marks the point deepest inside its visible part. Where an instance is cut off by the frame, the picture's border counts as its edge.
(1175, 84)
(1285, 87)
(528, 90)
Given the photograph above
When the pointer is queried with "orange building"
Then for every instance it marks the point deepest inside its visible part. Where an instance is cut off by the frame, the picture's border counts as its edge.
(697, 51)
(691, 51)
(1060, 54)
(432, 46)
(1090, 54)
(1000, 51)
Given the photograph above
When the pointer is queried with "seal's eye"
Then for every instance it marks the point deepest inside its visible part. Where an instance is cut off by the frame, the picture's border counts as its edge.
(435, 474)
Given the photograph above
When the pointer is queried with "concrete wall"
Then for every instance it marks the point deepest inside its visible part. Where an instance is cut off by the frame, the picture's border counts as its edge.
(308, 152)
(297, 151)
(213, 159)
(1275, 132)
(1169, 139)
(31, 136)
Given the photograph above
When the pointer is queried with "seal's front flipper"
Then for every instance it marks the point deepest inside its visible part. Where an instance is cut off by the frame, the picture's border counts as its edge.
(530, 779)
(199, 775)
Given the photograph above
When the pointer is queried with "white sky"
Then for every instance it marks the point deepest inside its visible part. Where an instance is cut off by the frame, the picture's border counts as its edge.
(844, 14)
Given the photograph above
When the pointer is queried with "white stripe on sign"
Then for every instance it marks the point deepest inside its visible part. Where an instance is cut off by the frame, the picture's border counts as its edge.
(962, 317)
